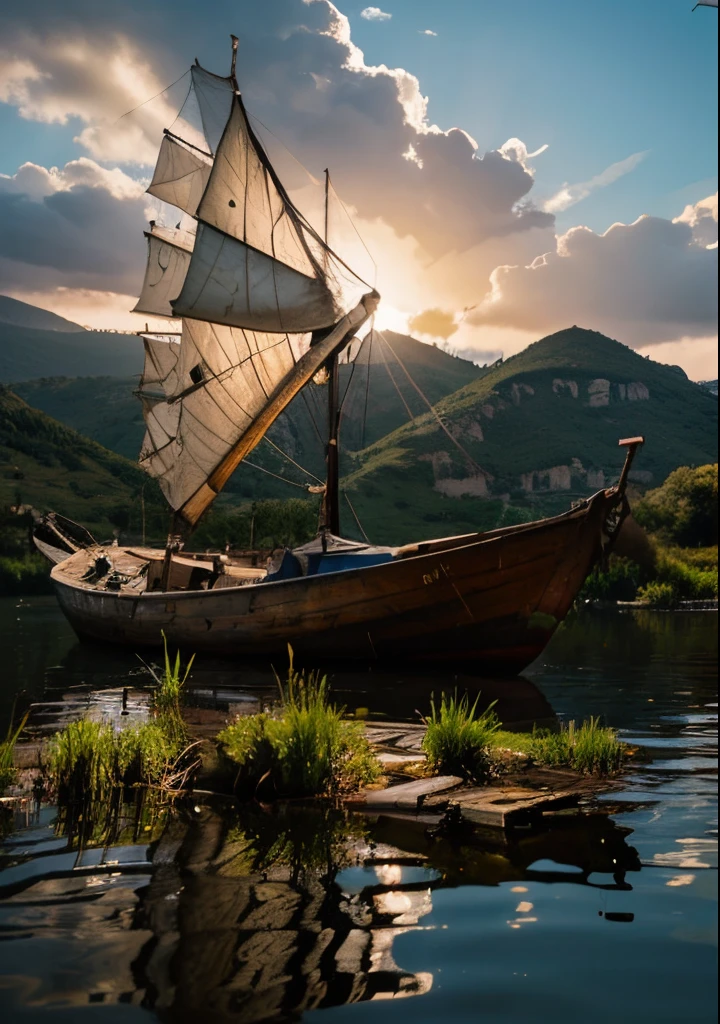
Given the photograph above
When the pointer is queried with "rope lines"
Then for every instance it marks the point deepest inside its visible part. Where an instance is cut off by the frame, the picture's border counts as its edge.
(151, 98)
(431, 407)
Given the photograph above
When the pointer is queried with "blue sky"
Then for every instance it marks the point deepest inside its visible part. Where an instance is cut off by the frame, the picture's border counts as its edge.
(620, 97)
(596, 82)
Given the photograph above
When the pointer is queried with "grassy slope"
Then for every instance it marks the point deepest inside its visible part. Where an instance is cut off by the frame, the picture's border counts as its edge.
(102, 408)
(49, 466)
(392, 487)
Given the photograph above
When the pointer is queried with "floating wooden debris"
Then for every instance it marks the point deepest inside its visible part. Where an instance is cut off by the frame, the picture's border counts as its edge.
(409, 796)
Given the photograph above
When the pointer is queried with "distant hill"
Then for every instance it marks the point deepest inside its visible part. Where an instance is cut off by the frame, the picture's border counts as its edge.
(710, 385)
(28, 352)
(540, 429)
(106, 410)
(50, 467)
(22, 314)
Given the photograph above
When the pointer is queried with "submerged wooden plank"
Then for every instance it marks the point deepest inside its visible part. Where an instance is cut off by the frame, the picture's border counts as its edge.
(408, 797)
(501, 806)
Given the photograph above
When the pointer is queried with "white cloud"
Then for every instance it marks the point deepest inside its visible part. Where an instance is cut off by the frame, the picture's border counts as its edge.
(35, 181)
(68, 76)
(76, 226)
(568, 195)
(451, 225)
(374, 14)
(702, 218)
(645, 283)
(426, 32)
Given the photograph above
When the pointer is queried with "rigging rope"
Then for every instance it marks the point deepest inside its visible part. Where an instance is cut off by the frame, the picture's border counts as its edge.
(355, 515)
(284, 479)
(387, 367)
(367, 380)
(431, 407)
(151, 98)
(290, 459)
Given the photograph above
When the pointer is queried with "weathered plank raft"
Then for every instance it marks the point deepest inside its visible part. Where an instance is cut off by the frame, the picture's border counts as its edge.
(519, 798)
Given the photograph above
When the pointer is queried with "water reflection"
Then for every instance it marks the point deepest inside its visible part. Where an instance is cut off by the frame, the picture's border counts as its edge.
(250, 914)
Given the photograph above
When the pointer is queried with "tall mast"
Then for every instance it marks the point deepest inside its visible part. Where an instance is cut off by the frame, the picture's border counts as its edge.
(331, 502)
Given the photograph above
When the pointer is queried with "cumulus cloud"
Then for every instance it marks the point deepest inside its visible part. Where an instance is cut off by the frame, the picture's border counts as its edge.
(438, 323)
(71, 76)
(568, 195)
(453, 224)
(427, 32)
(82, 222)
(702, 218)
(301, 72)
(646, 282)
(374, 14)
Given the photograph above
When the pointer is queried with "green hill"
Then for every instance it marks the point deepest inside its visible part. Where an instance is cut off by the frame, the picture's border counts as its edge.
(28, 352)
(106, 410)
(51, 467)
(540, 430)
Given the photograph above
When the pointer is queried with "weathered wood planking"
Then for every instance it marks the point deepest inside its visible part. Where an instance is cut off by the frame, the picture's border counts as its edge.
(494, 598)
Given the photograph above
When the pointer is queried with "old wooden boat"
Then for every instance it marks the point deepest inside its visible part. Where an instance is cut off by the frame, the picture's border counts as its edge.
(266, 305)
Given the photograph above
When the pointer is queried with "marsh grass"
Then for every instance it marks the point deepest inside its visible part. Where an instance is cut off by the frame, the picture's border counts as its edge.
(304, 748)
(97, 770)
(458, 741)
(169, 695)
(7, 755)
(589, 748)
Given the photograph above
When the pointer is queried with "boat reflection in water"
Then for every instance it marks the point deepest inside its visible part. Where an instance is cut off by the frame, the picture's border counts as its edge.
(250, 914)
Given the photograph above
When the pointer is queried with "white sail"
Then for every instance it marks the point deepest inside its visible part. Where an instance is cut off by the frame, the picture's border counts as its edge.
(227, 282)
(255, 263)
(219, 385)
(160, 369)
(167, 266)
(250, 284)
(213, 95)
(243, 201)
(181, 174)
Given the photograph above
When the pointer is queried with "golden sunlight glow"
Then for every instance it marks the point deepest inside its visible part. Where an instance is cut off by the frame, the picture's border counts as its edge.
(388, 318)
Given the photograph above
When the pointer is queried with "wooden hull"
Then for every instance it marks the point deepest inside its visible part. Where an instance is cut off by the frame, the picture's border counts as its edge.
(493, 600)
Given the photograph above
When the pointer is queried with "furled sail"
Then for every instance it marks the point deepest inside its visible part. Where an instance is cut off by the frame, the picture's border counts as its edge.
(250, 281)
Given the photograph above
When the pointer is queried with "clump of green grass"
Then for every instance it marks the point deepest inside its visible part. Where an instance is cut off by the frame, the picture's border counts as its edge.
(169, 693)
(7, 755)
(96, 771)
(589, 748)
(458, 740)
(305, 748)
(88, 757)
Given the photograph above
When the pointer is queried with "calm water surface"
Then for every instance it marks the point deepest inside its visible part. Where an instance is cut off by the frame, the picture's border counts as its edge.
(586, 920)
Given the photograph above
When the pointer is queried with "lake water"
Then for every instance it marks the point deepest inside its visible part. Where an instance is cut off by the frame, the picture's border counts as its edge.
(278, 916)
